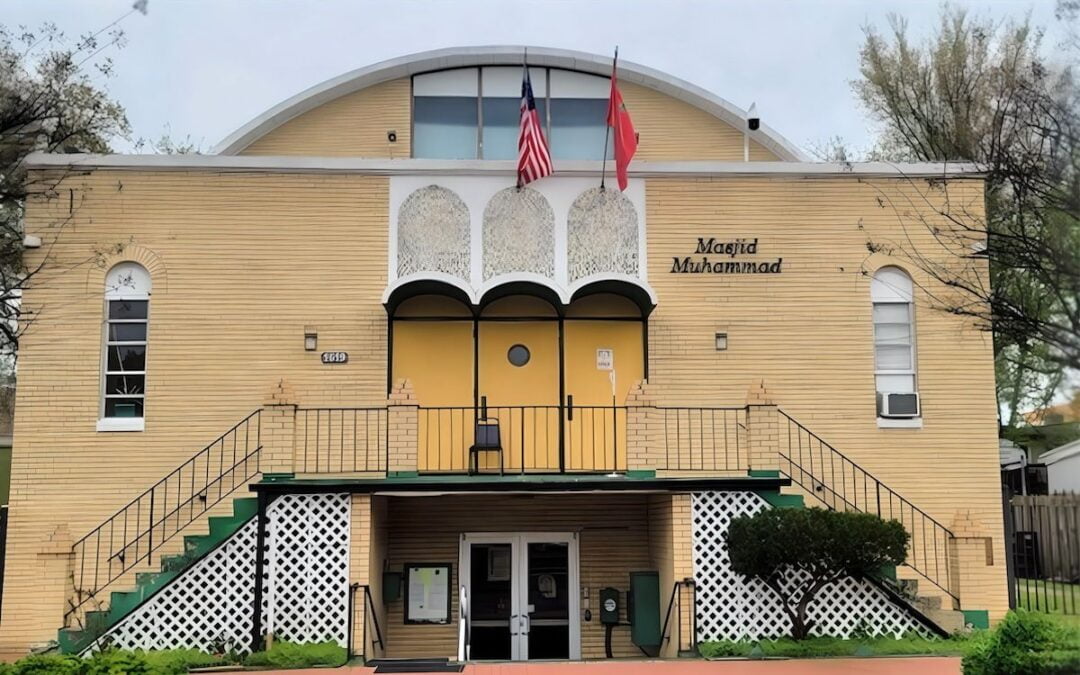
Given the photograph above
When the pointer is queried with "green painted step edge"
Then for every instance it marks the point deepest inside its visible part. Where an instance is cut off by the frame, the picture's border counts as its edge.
(147, 584)
(763, 473)
(887, 572)
(782, 501)
(402, 474)
(641, 473)
(977, 618)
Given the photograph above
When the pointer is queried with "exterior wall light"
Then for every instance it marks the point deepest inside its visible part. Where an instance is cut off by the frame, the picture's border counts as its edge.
(721, 342)
(311, 338)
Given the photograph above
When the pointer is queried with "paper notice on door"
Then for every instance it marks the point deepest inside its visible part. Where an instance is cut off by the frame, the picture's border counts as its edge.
(605, 359)
(428, 591)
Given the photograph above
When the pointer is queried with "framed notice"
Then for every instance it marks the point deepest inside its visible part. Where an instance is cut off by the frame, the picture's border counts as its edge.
(427, 593)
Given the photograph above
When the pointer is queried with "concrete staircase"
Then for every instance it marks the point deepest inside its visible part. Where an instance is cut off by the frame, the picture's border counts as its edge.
(96, 622)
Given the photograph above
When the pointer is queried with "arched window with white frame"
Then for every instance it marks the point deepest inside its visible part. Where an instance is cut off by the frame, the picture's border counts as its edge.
(895, 367)
(127, 312)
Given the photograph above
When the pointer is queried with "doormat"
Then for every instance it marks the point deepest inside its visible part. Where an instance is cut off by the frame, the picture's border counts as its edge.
(415, 666)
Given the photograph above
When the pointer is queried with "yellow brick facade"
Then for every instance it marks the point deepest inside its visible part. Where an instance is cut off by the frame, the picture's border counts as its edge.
(244, 262)
(356, 125)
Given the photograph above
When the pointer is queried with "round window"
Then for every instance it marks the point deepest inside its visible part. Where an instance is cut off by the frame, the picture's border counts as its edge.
(518, 355)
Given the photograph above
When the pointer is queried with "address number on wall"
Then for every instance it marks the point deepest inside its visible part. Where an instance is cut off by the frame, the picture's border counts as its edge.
(335, 357)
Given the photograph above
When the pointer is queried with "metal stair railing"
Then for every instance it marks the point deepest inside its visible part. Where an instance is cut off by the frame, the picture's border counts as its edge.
(841, 484)
(132, 534)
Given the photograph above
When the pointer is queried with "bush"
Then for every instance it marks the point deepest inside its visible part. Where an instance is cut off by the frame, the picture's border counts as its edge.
(797, 552)
(180, 661)
(292, 655)
(826, 647)
(1025, 643)
(117, 662)
(47, 664)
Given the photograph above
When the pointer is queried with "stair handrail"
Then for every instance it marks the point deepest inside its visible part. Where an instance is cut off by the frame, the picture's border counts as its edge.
(193, 496)
(801, 470)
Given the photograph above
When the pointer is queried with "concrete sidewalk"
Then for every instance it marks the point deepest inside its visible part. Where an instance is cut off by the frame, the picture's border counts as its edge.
(923, 665)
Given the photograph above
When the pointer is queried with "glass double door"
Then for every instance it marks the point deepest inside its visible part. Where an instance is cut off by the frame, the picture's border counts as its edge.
(522, 596)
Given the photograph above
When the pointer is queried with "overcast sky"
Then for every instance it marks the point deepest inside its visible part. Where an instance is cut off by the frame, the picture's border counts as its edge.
(202, 68)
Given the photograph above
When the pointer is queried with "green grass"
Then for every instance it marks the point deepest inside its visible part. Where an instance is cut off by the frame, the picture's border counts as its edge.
(1051, 597)
(824, 647)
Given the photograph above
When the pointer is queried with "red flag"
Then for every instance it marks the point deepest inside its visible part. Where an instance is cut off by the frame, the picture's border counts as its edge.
(618, 118)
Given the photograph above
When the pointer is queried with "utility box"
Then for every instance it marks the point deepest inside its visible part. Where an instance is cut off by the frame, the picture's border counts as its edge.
(643, 609)
(609, 606)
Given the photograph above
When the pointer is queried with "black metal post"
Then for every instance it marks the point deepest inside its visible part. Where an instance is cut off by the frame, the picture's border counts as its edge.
(562, 394)
(260, 567)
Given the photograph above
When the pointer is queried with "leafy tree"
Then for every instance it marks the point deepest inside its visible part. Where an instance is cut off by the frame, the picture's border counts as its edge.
(49, 101)
(798, 552)
(982, 91)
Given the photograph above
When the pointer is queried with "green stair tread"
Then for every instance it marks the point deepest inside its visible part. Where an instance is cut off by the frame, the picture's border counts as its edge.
(122, 602)
(782, 501)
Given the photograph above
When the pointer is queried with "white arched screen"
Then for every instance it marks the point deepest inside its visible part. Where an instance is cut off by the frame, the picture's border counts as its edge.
(894, 331)
(127, 307)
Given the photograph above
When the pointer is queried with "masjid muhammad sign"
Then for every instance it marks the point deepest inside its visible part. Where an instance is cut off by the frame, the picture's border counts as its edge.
(728, 258)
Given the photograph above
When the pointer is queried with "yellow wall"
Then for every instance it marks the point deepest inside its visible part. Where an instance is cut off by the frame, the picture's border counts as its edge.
(240, 264)
(352, 125)
(356, 125)
(672, 130)
(808, 332)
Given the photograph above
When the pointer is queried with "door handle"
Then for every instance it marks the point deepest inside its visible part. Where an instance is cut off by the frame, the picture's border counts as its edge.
(570, 407)
(512, 619)
(525, 623)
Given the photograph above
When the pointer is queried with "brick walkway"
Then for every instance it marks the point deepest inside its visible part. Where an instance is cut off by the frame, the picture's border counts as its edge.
(929, 665)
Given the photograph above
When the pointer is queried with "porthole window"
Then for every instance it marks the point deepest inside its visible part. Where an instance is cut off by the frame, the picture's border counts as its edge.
(518, 355)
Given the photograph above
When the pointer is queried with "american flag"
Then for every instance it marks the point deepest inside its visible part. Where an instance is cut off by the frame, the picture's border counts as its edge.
(534, 160)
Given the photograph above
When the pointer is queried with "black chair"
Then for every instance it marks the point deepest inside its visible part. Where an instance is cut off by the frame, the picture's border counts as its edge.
(486, 440)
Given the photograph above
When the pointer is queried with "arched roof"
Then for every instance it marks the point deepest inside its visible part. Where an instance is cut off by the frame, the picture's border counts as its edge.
(463, 57)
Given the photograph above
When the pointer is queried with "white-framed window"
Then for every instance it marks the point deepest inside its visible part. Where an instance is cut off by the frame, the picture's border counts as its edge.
(123, 381)
(895, 367)
(475, 113)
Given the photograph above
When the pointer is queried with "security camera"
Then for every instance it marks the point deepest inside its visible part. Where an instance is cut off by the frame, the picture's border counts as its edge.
(752, 120)
(391, 136)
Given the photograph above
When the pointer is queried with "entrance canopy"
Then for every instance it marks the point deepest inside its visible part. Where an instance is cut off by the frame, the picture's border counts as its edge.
(636, 291)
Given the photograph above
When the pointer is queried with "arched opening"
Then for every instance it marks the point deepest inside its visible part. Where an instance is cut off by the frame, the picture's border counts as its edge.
(552, 377)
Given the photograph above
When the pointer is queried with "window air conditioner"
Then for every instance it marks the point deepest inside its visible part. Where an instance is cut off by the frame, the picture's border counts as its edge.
(898, 405)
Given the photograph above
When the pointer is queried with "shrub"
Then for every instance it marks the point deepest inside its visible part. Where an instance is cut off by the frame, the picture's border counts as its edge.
(292, 655)
(797, 552)
(180, 661)
(51, 664)
(1025, 643)
(117, 662)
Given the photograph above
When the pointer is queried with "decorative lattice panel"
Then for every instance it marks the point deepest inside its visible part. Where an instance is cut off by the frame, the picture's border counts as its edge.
(519, 234)
(602, 234)
(731, 607)
(305, 587)
(307, 568)
(206, 607)
(433, 233)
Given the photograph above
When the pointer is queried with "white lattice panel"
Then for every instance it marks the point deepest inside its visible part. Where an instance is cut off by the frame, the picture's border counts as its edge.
(207, 606)
(731, 607)
(305, 589)
(308, 568)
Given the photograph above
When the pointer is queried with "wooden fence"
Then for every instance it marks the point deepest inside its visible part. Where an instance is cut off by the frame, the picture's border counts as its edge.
(1045, 538)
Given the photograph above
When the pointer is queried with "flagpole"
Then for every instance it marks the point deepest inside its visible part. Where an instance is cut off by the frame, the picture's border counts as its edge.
(607, 125)
(524, 74)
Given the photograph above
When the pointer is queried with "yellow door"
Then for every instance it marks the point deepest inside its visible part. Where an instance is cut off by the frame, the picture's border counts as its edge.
(437, 357)
(519, 376)
(603, 360)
